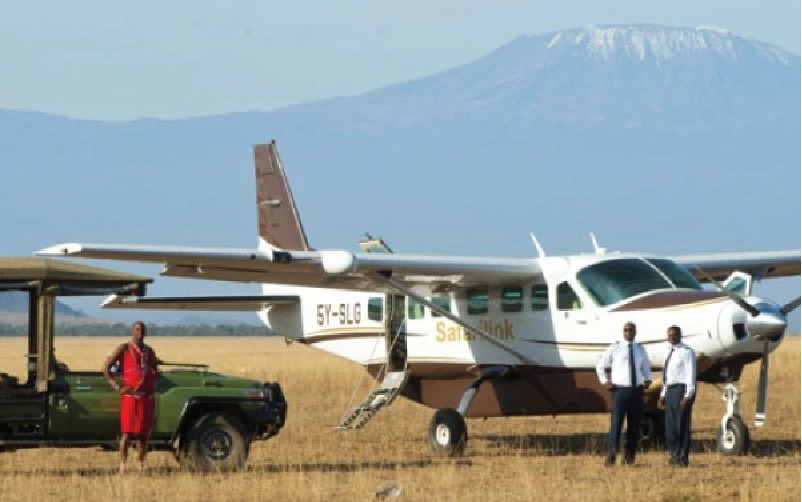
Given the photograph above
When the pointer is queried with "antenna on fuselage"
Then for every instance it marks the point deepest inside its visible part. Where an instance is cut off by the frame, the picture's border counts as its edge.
(539, 248)
(596, 247)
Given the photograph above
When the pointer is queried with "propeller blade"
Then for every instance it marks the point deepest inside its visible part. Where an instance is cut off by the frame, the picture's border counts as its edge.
(733, 296)
(790, 306)
(762, 387)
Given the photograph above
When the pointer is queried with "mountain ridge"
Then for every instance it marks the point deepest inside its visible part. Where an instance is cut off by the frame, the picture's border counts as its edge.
(650, 158)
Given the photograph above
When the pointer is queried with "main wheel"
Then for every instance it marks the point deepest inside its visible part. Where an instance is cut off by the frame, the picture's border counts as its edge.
(448, 433)
(734, 439)
(216, 442)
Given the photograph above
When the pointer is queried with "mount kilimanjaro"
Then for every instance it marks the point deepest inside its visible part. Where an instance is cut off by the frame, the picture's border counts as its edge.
(661, 139)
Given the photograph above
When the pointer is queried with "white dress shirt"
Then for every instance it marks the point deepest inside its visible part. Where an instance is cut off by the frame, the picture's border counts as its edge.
(681, 368)
(616, 358)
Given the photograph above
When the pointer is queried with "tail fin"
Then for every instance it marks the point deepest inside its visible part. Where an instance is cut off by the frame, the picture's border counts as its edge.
(278, 219)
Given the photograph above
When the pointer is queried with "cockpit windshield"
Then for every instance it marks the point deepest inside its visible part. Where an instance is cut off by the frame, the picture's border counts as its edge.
(675, 273)
(612, 281)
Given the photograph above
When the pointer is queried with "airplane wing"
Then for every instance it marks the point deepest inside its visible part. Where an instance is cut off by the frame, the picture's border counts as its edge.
(322, 268)
(216, 303)
(761, 264)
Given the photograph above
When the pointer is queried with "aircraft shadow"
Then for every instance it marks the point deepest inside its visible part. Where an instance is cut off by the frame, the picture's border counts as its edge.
(387, 465)
(594, 443)
(340, 467)
(591, 443)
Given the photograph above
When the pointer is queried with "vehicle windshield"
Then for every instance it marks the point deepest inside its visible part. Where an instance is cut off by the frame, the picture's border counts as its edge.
(677, 274)
(611, 281)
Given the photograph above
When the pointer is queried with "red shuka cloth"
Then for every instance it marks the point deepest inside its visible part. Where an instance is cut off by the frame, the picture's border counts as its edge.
(139, 374)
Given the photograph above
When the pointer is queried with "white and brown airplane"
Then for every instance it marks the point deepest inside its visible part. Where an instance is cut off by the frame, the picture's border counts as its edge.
(483, 336)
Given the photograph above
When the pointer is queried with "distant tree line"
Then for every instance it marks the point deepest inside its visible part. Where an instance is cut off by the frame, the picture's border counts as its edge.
(121, 329)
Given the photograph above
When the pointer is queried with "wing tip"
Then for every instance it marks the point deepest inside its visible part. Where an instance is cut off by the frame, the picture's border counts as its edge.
(65, 249)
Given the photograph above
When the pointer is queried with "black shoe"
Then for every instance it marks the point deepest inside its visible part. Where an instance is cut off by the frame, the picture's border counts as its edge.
(609, 462)
(682, 463)
(629, 460)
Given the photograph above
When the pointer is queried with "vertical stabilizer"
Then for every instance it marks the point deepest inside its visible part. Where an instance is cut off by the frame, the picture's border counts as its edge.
(277, 217)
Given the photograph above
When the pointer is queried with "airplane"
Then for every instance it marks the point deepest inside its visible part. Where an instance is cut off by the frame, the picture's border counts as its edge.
(483, 336)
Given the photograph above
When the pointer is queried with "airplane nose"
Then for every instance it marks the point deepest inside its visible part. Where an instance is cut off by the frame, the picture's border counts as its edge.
(769, 324)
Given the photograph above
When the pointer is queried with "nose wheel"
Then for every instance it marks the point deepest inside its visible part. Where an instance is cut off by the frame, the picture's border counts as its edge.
(733, 435)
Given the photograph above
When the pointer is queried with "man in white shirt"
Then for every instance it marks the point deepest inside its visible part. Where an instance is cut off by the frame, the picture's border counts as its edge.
(677, 396)
(630, 372)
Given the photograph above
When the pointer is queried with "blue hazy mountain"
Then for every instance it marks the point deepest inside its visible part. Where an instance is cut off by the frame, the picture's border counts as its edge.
(658, 139)
(17, 301)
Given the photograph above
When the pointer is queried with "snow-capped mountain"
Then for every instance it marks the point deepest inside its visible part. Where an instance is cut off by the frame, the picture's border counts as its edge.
(659, 139)
(681, 80)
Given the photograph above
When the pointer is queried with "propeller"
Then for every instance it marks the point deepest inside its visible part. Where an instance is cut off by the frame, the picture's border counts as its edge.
(754, 312)
(762, 387)
(790, 306)
(763, 381)
(760, 329)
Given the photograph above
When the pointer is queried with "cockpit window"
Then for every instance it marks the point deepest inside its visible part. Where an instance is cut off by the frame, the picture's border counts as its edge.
(567, 298)
(677, 274)
(611, 281)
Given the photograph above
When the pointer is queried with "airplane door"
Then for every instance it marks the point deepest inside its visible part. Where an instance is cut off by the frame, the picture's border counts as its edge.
(395, 332)
(571, 321)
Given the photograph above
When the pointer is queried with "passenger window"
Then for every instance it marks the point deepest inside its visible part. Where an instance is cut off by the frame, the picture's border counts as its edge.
(477, 301)
(442, 301)
(512, 299)
(414, 309)
(540, 297)
(376, 308)
(567, 298)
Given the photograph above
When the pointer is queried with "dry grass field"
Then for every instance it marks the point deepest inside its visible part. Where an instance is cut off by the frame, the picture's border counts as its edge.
(540, 458)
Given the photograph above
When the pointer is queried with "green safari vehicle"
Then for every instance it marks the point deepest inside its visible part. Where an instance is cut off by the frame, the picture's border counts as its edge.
(206, 419)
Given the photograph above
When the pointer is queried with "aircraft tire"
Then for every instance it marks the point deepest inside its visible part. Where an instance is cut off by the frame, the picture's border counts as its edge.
(448, 433)
(735, 439)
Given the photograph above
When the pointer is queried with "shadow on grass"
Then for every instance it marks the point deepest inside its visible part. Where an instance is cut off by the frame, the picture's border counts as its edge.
(594, 443)
(591, 443)
(388, 465)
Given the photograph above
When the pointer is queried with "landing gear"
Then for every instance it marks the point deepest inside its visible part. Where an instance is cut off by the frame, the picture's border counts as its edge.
(733, 435)
(733, 439)
(448, 433)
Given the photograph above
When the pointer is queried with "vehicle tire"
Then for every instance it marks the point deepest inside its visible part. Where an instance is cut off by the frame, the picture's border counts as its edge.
(216, 442)
(735, 439)
(448, 433)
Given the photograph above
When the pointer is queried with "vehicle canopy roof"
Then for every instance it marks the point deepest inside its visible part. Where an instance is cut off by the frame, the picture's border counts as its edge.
(70, 278)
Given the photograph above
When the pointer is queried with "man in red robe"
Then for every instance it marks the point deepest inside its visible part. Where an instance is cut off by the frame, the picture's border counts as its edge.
(137, 363)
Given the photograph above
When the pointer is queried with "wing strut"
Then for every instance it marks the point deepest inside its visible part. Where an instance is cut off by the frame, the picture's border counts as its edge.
(397, 286)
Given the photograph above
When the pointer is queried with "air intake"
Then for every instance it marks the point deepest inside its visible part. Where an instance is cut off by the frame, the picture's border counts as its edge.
(739, 330)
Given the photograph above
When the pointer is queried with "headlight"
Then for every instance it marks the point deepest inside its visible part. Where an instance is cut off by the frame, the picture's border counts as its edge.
(254, 393)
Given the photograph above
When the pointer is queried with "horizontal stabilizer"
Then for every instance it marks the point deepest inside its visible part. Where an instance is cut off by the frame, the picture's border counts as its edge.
(212, 303)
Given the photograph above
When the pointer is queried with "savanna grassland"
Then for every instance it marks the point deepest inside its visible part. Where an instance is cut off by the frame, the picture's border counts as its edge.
(539, 458)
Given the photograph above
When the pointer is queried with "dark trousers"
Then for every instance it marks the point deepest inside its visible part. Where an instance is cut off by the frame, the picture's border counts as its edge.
(627, 402)
(678, 423)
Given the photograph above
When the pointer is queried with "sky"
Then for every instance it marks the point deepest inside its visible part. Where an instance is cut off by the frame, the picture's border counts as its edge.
(120, 60)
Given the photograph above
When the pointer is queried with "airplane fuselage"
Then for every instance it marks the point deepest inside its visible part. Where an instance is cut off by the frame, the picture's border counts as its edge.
(557, 323)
